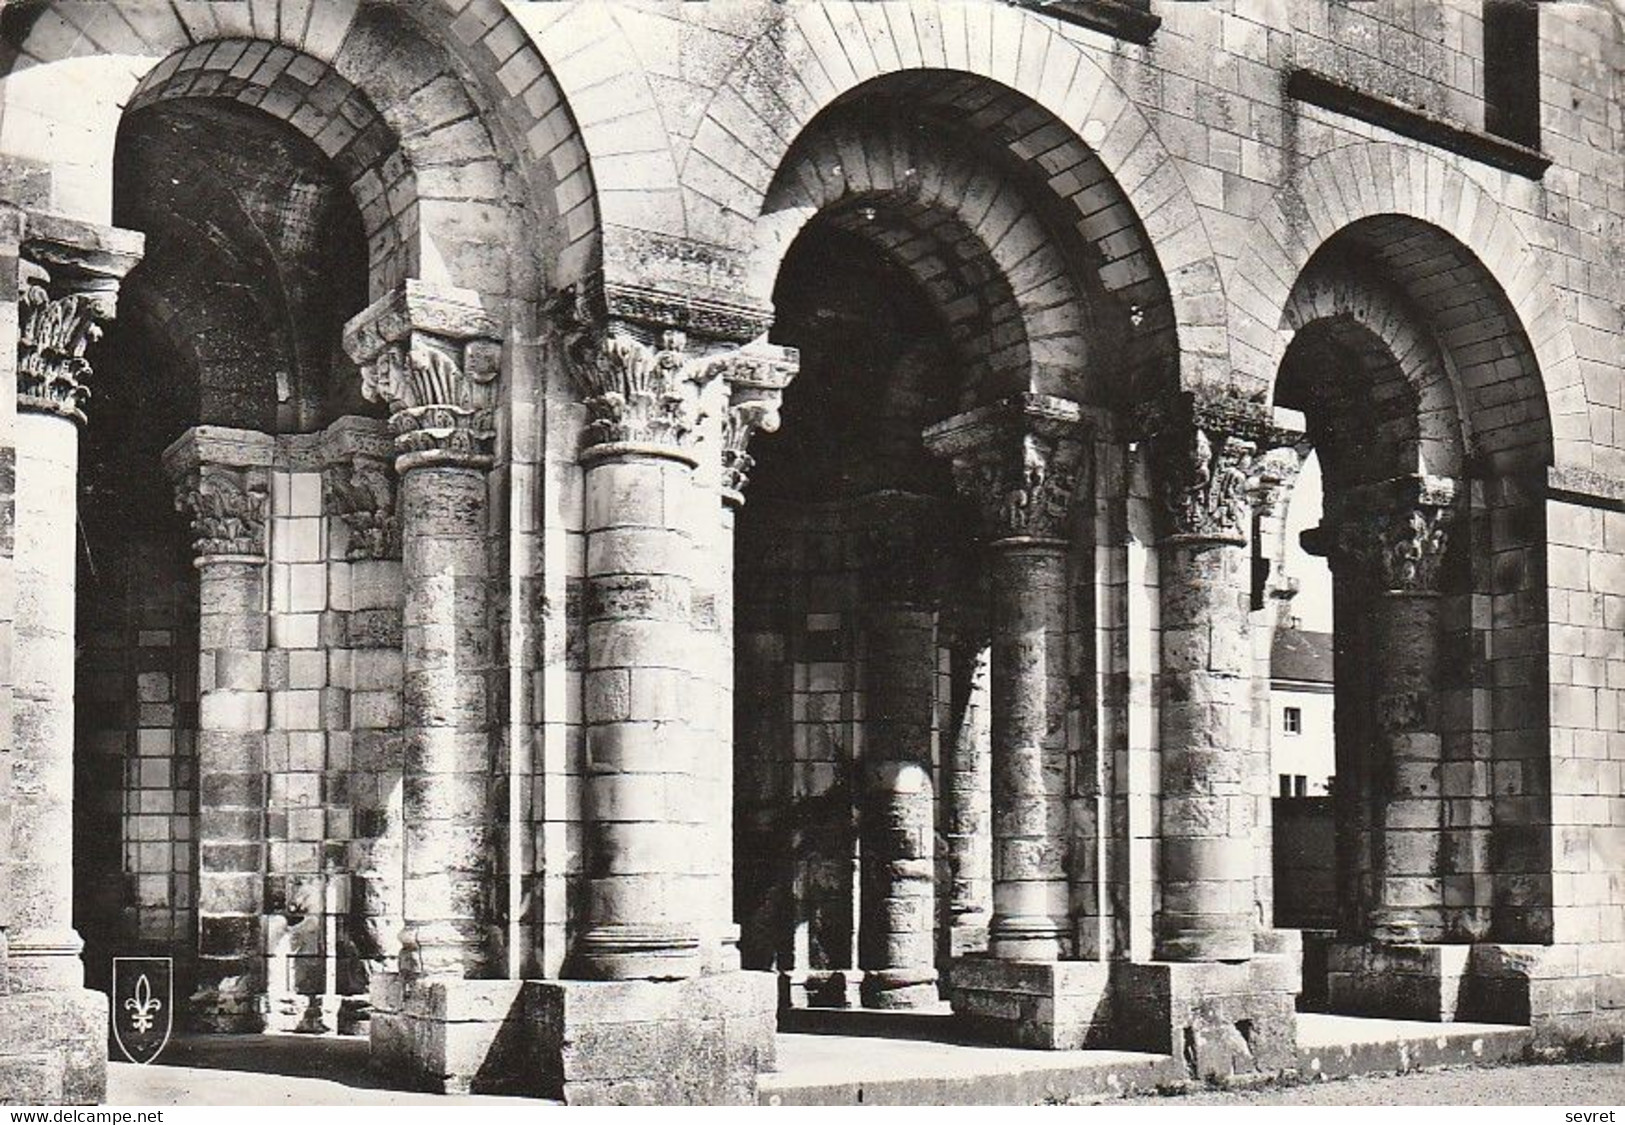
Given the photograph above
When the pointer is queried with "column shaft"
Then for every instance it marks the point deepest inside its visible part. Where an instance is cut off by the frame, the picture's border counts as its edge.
(1409, 897)
(44, 946)
(644, 903)
(447, 776)
(232, 712)
(1029, 690)
(969, 818)
(1207, 815)
(898, 921)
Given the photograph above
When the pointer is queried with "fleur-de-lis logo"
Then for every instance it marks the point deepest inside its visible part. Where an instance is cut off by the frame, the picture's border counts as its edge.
(143, 1004)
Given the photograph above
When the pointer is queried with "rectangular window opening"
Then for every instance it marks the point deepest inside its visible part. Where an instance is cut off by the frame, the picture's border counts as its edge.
(1512, 70)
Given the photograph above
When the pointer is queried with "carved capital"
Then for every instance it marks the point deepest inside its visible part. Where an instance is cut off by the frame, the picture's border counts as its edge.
(1211, 459)
(433, 355)
(756, 376)
(53, 375)
(222, 484)
(227, 507)
(358, 486)
(1019, 461)
(1395, 534)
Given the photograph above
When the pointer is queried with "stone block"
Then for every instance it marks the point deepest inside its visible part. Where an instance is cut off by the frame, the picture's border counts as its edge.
(452, 1036)
(56, 1049)
(1225, 1021)
(1058, 1005)
(692, 1042)
(1394, 981)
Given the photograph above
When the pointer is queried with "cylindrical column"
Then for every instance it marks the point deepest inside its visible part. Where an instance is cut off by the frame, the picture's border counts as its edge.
(1028, 680)
(447, 775)
(969, 817)
(642, 913)
(222, 484)
(897, 818)
(1409, 896)
(1206, 721)
(44, 946)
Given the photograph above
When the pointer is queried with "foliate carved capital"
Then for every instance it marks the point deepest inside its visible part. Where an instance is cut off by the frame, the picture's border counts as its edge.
(358, 486)
(433, 355)
(1211, 459)
(1396, 534)
(756, 376)
(1019, 461)
(227, 507)
(53, 375)
(222, 484)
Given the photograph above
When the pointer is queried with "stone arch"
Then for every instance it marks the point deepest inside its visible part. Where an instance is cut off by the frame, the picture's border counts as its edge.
(1458, 256)
(1414, 409)
(973, 244)
(414, 62)
(1008, 73)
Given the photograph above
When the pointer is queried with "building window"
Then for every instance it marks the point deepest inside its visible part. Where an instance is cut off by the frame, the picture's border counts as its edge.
(1300, 785)
(1292, 720)
(1512, 70)
(1286, 784)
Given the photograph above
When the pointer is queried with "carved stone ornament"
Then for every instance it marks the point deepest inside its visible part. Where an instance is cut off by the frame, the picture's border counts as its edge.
(756, 376)
(1210, 459)
(646, 385)
(1019, 461)
(1397, 534)
(433, 356)
(52, 373)
(227, 507)
(362, 494)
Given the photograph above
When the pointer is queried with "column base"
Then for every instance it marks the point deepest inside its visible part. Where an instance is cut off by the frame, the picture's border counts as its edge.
(821, 988)
(899, 989)
(1398, 981)
(1222, 1020)
(1050, 1005)
(301, 1014)
(690, 1042)
(53, 1048)
(967, 935)
(452, 1036)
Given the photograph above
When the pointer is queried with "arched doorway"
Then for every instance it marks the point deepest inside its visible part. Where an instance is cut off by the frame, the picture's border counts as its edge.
(1425, 411)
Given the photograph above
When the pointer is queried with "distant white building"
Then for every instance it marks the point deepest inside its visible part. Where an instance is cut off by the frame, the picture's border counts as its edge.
(1302, 745)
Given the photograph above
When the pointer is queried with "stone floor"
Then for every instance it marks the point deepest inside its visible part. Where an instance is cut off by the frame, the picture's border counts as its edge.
(899, 1062)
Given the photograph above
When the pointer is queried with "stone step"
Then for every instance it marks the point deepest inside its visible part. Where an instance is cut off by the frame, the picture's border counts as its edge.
(893, 1059)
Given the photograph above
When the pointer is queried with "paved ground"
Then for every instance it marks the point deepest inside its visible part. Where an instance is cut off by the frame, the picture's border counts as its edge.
(1570, 1084)
(293, 1070)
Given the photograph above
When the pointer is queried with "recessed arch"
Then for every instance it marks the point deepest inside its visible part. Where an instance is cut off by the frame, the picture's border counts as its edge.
(1459, 259)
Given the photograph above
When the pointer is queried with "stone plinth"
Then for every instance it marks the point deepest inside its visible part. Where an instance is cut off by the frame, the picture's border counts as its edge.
(1223, 1020)
(53, 1047)
(1411, 981)
(701, 1041)
(453, 1036)
(1050, 1005)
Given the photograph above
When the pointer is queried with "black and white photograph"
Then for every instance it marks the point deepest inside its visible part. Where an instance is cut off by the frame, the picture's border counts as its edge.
(812, 553)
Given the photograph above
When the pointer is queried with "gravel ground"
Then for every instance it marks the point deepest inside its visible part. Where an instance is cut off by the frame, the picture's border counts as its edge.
(1565, 1084)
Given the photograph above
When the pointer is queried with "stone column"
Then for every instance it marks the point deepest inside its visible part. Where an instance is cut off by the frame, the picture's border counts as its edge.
(1390, 542)
(1020, 461)
(67, 288)
(222, 482)
(432, 355)
(1206, 458)
(969, 814)
(897, 804)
